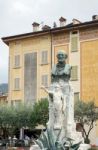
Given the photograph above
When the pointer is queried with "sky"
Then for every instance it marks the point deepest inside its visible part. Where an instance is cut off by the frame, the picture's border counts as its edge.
(17, 16)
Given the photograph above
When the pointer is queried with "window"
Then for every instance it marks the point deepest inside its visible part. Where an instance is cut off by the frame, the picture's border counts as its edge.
(17, 61)
(17, 84)
(16, 103)
(45, 80)
(44, 57)
(74, 41)
(76, 96)
(74, 73)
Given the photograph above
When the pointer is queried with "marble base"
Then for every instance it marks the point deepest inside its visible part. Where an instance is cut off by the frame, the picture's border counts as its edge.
(35, 147)
(84, 147)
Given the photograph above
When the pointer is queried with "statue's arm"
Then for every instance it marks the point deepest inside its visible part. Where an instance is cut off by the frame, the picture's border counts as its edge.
(45, 89)
(48, 91)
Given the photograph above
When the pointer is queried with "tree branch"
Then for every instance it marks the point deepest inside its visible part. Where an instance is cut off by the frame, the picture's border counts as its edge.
(83, 130)
(91, 127)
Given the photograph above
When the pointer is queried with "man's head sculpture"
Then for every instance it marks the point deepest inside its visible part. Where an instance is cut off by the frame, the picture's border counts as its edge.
(61, 70)
(61, 56)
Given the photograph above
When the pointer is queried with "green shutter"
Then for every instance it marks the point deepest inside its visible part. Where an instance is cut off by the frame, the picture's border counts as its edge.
(74, 43)
(74, 73)
(76, 96)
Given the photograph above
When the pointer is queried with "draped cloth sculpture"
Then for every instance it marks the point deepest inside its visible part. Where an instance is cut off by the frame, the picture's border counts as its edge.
(61, 100)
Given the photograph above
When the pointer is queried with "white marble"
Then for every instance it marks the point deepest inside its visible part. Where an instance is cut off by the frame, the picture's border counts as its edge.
(35, 147)
(61, 111)
(84, 147)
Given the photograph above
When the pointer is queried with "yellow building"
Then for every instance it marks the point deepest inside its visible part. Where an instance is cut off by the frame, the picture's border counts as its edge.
(32, 55)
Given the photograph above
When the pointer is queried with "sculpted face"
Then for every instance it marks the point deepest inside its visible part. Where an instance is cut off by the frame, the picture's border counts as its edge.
(61, 56)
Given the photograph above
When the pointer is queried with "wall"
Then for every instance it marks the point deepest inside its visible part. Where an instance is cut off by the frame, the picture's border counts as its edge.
(23, 47)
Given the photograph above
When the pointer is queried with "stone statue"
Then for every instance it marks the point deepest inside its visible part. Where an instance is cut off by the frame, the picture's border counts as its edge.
(57, 107)
(61, 104)
(61, 100)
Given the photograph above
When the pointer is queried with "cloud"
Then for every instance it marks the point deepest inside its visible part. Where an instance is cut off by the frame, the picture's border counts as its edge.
(22, 8)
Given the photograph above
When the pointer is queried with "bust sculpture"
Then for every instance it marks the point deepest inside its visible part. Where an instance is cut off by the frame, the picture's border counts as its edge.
(61, 70)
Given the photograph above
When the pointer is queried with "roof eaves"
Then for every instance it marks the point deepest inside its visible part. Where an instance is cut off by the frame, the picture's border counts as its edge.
(53, 30)
(6, 40)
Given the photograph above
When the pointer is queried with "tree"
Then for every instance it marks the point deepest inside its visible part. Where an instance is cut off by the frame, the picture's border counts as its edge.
(86, 114)
(22, 116)
(6, 119)
(40, 113)
(12, 118)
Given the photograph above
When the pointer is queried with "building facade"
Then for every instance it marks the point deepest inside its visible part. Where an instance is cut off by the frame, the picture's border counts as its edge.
(32, 55)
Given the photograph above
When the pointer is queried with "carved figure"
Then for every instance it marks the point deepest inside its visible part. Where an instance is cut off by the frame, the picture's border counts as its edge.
(56, 107)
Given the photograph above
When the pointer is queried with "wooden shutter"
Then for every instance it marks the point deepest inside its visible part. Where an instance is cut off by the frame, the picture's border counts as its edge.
(45, 80)
(74, 41)
(44, 57)
(17, 60)
(17, 84)
(76, 96)
(74, 73)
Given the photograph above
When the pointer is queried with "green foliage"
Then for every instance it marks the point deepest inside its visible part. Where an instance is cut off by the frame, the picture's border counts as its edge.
(40, 112)
(23, 116)
(48, 141)
(14, 117)
(86, 114)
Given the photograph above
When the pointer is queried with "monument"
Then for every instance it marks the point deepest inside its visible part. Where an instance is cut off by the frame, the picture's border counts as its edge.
(61, 103)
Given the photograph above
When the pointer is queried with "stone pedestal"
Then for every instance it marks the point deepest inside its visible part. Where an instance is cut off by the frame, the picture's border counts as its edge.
(35, 147)
(84, 147)
(61, 111)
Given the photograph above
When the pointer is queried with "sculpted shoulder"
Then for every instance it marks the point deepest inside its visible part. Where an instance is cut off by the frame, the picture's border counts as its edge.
(66, 70)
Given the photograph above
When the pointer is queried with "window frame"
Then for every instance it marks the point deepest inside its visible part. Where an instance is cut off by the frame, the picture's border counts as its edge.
(74, 78)
(44, 82)
(16, 88)
(78, 96)
(44, 57)
(16, 103)
(74, 35)
(17, 61)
